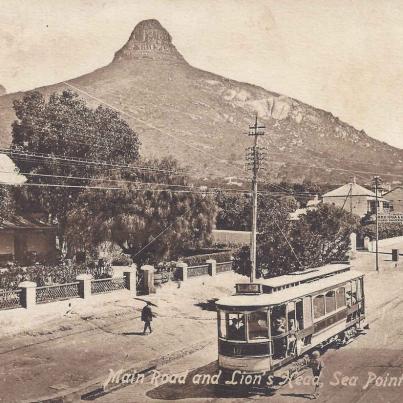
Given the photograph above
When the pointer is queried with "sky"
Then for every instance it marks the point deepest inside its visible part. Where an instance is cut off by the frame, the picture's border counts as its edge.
(344, 56)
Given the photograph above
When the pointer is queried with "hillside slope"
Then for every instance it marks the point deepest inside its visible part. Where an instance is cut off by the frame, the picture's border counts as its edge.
(202, 119)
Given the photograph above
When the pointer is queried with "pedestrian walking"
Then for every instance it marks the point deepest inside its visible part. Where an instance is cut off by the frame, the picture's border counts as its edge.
(317, 365)
(147, 317)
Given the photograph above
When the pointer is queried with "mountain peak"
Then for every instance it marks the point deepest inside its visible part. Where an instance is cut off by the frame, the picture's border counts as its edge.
(149, 40)
(2, 90)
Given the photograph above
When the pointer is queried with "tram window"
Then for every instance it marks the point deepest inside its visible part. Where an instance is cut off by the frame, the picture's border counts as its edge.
(292, 325)
(257, 325)
(318, 306)
(330, 299)
(354, 292)
(278, 322)
(236, 326)
(359, 289)
(340, 297)
(223, 325)
(348, 294)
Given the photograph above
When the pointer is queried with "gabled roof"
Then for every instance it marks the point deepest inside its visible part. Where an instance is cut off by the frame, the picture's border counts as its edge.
(396, 188)
(9, 173)
(348, 189)
(18, 222)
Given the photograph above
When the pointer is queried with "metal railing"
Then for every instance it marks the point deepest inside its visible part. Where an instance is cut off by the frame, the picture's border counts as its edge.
(57, 292)
(201, 270)
(223, 267)
(107, 285)
(10, 299)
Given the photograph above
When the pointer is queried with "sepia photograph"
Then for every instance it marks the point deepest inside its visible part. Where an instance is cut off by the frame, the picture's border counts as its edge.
(201, 201)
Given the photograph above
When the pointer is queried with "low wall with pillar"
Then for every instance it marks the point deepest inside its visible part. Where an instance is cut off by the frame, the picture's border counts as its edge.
(84, 287)
(209, 268)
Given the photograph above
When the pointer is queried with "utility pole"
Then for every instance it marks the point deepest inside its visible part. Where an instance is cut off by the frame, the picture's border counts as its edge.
(351, 195)
(376, 181)
(255, 157)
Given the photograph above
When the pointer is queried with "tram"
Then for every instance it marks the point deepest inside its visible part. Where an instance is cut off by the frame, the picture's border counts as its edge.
(268, 326)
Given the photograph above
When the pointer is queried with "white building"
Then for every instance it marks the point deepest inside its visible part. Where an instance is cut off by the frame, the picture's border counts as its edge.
(355, 199)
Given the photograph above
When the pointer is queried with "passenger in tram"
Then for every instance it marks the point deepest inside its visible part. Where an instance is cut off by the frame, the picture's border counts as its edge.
(278, 326)
(292, 340)
(279, 343)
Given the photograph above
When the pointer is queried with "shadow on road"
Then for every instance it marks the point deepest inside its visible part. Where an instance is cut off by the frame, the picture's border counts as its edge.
(209, 305)
(133, 334)
(301, 395)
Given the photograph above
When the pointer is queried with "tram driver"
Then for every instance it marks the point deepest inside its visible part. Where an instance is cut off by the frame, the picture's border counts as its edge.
(236, 329)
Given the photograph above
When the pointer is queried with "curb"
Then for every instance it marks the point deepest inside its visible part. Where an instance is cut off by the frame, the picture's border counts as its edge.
(94, 388)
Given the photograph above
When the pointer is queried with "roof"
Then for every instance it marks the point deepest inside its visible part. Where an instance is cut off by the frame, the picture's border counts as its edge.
(288, 294)
(19, 222)
(349, 189)
(9, 173)
(304, 275)
(393, 190)
(294, 215)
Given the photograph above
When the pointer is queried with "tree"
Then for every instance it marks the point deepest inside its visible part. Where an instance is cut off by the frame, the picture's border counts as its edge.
(64, 126)
(6, 203)
(285, 246)
(151, 222)
(234, 211)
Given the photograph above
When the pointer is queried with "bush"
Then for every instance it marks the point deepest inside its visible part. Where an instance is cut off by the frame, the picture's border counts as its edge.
(196, 260)
(386, 230)
(122, 260)
(50, 274)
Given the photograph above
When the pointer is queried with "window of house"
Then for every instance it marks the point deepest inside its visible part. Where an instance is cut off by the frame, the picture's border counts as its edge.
(330, 299)
(318, 306)
(257, 325)
(340, 297)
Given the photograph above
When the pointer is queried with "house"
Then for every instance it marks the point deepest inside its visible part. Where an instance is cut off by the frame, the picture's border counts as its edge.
(21, 237)
(9, 173)
(356, 199)
(395, 196)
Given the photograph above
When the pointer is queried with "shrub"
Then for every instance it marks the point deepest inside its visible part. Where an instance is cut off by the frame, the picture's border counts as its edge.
(196, 260)
(122, 260)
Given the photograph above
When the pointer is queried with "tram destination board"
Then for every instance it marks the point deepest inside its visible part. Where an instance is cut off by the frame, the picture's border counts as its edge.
(248, 288)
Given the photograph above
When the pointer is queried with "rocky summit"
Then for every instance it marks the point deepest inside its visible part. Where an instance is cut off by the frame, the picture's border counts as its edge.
(2, 90)
(149, 40)
(202, 118)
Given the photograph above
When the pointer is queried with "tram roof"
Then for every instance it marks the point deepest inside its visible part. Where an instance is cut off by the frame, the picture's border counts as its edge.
(288, 294)
(304, 276)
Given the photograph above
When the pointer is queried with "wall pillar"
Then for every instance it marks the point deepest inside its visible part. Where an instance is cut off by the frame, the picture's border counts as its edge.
(28, 294)
(353, 245)
(183, 271)
(130, 274)
(84, 285)
(148, 273)
(366, 242)
(212, 267)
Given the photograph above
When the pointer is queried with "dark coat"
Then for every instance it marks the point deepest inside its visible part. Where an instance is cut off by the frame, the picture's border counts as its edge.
(146, 314)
